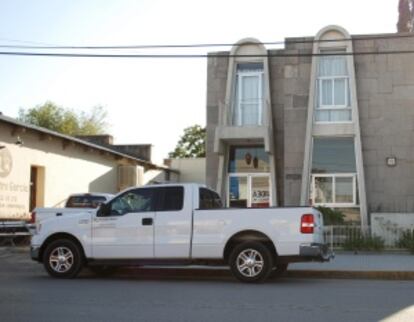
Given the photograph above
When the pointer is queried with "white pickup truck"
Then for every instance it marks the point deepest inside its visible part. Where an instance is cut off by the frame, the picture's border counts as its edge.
(179, 224)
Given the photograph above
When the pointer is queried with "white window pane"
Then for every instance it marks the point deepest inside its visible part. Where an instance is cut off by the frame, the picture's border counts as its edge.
(340, 92)
(247, 110)
(323, 190)
(250, 88)
(340, 115)
(322, 116)
(250, 114)
(344, 190)
(326, 92)
(332, 66)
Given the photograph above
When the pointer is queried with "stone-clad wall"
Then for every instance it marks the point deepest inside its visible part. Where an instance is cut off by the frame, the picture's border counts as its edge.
(216, 91)
(385, 89)
(385, 86)
(290, 77)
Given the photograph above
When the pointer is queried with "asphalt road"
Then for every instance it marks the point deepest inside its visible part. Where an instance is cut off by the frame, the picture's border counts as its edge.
(28, 294)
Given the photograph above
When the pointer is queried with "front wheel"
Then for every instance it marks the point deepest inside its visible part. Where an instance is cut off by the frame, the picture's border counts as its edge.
(63, 258)
(251, 262)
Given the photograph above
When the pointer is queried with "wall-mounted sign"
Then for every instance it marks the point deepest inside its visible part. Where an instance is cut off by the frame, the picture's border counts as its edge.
(260, 198)
(14, 195)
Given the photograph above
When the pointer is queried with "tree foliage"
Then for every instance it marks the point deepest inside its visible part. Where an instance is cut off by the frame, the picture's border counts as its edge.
(192, 144)
(331, 216)
(66, 121)
(406, 16)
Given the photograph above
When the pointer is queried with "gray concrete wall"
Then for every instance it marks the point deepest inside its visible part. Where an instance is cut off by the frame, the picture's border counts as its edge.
(385, 85)
(290, 78)
(216, 91)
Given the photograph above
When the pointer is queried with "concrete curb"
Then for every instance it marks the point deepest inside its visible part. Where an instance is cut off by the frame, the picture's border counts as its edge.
(222, 273)
(374, 275)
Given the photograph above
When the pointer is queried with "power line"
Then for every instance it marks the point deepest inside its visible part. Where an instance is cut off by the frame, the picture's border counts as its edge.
(24, 42)
(205, 45)
(215, 55)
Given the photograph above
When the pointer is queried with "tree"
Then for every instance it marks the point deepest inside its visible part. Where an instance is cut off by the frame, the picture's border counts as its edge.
(66, 121)
(192, 144)
(332, 216)
(406, 16)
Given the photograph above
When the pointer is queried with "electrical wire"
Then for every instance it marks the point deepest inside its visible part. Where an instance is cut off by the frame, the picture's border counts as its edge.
(214, 55)
(168, 46)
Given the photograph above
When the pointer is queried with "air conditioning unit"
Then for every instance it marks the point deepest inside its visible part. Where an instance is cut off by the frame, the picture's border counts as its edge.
(129, 176)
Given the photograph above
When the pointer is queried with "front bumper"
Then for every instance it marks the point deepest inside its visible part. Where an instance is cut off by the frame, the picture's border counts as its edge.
(34, 253)
(316, 252)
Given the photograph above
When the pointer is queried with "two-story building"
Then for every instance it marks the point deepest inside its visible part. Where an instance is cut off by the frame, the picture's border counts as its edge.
(328, 120)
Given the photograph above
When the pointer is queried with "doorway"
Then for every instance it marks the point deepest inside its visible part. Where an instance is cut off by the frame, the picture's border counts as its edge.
(249, 190)
(37, 184)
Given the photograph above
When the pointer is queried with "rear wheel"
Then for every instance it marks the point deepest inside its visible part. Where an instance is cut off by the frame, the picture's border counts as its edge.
(251, 262)
(63, 258)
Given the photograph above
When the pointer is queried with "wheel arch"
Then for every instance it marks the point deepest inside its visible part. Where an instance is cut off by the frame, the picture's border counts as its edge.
(248, 235)
(57, 236)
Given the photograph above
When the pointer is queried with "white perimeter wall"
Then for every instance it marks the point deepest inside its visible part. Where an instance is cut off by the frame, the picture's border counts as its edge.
(191, 170)
(388, 225)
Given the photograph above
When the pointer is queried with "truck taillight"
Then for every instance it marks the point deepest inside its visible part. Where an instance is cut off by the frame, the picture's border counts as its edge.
(307, 223)
(32, 218)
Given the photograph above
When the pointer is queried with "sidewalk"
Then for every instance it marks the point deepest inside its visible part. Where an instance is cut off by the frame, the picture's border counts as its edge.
(348, 261)
(395, 266)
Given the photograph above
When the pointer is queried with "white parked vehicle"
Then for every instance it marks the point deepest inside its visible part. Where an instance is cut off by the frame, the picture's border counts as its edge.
(179, 224)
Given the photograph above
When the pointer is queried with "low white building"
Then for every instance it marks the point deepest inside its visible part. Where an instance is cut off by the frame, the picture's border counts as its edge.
(40, 168)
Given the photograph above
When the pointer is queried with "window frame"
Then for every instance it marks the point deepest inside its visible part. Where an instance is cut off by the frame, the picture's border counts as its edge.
(347, 93)
(249, 176)
(333, 106)
(237, 118)
(334, 176)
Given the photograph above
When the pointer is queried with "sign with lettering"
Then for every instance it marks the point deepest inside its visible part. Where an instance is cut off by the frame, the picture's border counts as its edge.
(14, 196)
(260, 197)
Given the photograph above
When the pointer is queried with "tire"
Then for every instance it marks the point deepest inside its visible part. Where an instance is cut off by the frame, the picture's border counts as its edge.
(251, 262)
(103, 270)
(279, 270)
(63, 258)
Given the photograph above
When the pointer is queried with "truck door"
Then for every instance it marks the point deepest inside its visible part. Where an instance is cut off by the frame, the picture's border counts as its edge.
(173, 222)
(124, 228)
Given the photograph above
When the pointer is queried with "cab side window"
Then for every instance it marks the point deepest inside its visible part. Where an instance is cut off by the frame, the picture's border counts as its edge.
(170, 199)
(139, 200)
(209, 199)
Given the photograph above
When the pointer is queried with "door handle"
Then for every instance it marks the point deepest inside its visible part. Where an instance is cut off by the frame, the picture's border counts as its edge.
(147, 221)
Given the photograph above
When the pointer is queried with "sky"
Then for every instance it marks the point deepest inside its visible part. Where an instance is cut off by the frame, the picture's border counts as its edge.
(152, 100)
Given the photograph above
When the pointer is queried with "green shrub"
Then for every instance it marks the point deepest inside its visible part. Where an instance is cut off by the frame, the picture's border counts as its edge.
(360, 241)
(331, 217)
(407, 240)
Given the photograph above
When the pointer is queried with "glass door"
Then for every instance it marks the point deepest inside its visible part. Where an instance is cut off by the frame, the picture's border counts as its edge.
(249, 190)
(260, 191)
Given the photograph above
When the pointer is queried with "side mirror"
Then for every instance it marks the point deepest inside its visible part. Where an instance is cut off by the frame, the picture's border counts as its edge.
(103, 210)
